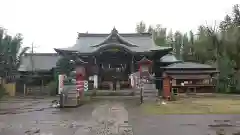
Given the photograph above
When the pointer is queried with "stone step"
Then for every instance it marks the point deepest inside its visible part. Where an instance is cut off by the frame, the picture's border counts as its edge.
(71, 102)
(149, 86)
(147, 91)
(72, 92)
(72, 96)
(150, 94)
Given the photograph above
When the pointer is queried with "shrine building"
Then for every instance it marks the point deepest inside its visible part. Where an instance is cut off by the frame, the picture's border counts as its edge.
(115, 54)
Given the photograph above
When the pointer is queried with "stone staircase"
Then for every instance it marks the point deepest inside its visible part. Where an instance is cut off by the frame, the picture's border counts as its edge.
(149, 92)
(72, 96)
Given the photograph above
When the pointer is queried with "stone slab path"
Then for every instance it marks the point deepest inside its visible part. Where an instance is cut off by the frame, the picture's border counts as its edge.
(107, 116)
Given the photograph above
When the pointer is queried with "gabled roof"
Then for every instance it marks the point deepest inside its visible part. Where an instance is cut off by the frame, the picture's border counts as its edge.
(114, 37)
(41, 61)
(136, 42)
(144, 60)
(188, 65)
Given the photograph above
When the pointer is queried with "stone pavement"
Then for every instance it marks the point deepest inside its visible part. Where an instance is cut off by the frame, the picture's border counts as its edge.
(103, 116)
(106, 119)
(96, 118)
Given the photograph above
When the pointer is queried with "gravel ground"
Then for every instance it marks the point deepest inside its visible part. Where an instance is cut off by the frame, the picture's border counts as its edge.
(29, 115)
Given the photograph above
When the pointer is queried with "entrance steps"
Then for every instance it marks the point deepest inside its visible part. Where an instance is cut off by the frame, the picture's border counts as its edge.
(72, 96)
(149, 92)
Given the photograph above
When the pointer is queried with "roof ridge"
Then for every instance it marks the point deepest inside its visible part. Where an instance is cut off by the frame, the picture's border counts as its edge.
(191, 63)
(196, 63)
(41, 54)
(121, 34)
(115, 37)
(177, 63)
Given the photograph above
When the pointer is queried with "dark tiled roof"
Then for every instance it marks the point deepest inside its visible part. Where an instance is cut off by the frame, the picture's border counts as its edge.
(41, 54)
(190, 76)
(188, 65)
(41, 61)
(86, 41)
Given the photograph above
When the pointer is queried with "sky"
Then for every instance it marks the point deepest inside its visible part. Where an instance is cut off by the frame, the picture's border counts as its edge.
(52, 24)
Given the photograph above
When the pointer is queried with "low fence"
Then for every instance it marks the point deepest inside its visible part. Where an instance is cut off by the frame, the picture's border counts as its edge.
(36, 90)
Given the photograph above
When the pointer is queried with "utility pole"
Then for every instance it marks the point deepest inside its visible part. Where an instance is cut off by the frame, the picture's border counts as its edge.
(32, 61)
(32, 64)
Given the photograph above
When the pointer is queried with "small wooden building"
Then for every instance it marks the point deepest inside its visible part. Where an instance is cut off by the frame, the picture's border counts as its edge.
(36, 71)
(188, 77)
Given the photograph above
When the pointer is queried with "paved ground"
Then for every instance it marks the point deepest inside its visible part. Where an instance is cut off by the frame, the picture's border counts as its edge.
(21, 115)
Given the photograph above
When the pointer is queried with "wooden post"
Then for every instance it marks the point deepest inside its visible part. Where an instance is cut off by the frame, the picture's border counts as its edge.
(141, 91)
(41, 86)
(24, 89)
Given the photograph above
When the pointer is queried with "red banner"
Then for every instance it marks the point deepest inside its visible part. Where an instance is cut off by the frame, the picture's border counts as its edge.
(80, 73)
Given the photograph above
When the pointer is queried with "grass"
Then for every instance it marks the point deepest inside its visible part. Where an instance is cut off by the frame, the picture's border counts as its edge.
(213, 105)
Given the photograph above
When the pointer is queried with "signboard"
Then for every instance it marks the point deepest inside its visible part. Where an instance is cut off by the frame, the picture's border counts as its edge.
(144, 68)
(82, 85)
(85, 85)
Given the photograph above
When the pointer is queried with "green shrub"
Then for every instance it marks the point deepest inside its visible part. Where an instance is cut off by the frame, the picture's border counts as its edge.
(52, 86)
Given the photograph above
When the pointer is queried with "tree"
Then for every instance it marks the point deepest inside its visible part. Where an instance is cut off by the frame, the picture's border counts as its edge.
(178, 44)
(226, 23)
(169, 39)
(150, 29)
(64, 65)
(215, 45)
(141, 27)
(10, 53)
(160, 35)
(187, 49)
(236, 15)
(220, 46)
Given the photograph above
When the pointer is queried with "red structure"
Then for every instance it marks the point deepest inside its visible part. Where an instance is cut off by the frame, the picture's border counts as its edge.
(166, 86)
(80, 75)
(144, 67)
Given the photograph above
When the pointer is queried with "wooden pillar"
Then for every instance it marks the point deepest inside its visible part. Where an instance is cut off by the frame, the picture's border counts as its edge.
(41, 85)
(97, 64)
(24, 89)
(95, 81)
(132, 64)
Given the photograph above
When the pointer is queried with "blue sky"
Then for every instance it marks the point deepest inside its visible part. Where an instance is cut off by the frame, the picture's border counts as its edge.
(55, 23)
